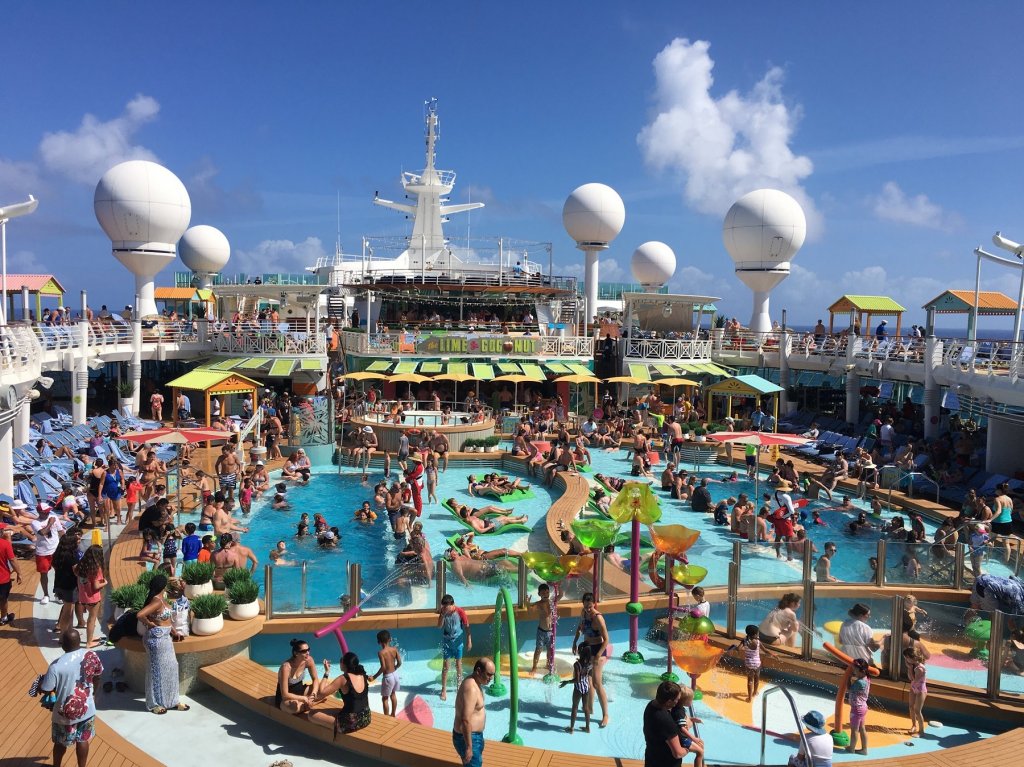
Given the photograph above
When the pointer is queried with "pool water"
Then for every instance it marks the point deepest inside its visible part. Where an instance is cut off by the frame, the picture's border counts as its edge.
(730, 727)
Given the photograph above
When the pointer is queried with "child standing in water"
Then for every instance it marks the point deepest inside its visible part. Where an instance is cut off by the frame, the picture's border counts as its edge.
(911, 611)
(751, 647)
(582, 688)
(543, 606)
(857, 696)
(917, 674)
(390, 662)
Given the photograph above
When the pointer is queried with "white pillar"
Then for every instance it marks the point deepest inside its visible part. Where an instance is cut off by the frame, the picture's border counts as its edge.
(21, 423)
(6, 454)
(80, 378)
(760, 321)
(590, 282)
(932, 390)
(852, 397)
(135, 369)
(25, 304)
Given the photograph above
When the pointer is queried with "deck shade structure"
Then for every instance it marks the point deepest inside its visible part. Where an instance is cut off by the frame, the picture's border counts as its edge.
(214, 384)
(862, 309)
(187, 302)
(39, 285)
(990, 303)
(743, 386)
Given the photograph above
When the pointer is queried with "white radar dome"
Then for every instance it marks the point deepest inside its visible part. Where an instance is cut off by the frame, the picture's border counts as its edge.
(204, 249)
(764, 229)
(142, 206)
(593, 214)
(653, 264)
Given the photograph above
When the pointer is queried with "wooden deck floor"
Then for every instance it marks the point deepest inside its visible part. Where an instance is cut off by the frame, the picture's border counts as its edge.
(26, 724)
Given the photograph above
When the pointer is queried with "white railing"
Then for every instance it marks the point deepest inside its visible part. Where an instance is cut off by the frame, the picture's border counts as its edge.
(245, 341)
(891, 349)
(19, 351)
(460, 344)
(667, 349)
(985, 357)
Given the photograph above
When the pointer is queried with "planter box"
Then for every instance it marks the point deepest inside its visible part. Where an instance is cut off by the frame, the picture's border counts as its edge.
(244, 612)
(126, 405)
(205, 627)
(198, 590)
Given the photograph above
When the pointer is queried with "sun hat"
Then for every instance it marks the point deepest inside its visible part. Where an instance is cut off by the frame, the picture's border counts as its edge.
(815, 722)
(416, 457)
(18, 505)
(260, 463)
(367, 429)
(784, 485)
(43, 506)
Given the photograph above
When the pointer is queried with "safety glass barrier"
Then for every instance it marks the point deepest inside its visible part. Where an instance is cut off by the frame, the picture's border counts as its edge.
(477, 583)
(779, 620)
(857, 627)
(918, 563)
(1011, 670)
(846, 559)
(953, 641)
(771, 563)
(985, 554)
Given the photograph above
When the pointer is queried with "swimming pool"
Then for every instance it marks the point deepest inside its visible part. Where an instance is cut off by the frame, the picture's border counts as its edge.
(422, 418)
(730, 728)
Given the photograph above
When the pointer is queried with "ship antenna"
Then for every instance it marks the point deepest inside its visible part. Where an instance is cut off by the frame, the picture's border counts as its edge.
(337, 244)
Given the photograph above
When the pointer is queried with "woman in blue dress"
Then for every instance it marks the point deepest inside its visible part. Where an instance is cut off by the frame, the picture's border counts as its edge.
(113, 489)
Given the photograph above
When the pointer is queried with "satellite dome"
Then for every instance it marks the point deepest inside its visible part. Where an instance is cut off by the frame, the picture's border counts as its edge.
(142, 206)
(764, 229)
(204, 249)
(593, 214)
(653, 264)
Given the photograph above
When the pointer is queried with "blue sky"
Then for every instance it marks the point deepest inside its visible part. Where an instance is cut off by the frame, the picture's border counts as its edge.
(893, 123)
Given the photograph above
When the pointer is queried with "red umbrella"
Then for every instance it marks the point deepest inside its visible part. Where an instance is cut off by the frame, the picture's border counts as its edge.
(169, 436)
(758, 438)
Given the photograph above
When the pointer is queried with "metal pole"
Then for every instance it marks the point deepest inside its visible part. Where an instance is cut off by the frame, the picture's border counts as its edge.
(355, 584)
(896, 646)
(302, 588)
(522, 583)
(880, 569)
(268, 590)
(730, 608)
(3, 258)
(810, 596)
(440, 583)
(598, 576)
(995, 654)
(958, 567)
(972, 318)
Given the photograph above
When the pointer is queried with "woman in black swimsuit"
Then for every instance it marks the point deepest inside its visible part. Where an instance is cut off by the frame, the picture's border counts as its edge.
(353, 685)
(97, 476)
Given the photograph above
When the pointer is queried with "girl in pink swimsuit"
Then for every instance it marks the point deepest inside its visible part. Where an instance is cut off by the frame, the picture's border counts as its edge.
(917, 674)
(857, 696)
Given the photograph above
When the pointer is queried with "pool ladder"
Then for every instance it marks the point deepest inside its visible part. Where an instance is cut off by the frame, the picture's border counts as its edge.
(796, 718)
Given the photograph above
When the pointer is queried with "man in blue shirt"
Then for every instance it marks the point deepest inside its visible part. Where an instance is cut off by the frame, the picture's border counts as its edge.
(881, 332)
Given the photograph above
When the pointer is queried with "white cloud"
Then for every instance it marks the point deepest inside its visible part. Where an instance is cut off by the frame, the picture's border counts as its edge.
(723, 147)
(89, 152)
(694, 281)
(17, 180)
(277, 256)
(894, 205)
(609, 270)
(25, 262)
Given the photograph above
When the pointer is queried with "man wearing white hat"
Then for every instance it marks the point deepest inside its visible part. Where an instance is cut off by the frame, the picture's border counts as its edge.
(48, 530)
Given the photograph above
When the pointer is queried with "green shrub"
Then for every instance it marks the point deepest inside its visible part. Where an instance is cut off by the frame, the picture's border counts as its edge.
(700, 432)
(145, 577)
(491, 441)
(471, 443)
(235, 575)
(197, 573)
(209, 606)
(130, 597)
(242, 592)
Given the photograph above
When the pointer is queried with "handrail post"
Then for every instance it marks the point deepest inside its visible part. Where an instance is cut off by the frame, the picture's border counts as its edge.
(807, 567)
(880, 555)
(355, 583)
(268, 591)
(958, 567)
(796, 717)
(995, 655)
(807, 641)
(895, 648)
(440, 583)
(302, 588)
(730, 608)
(522, 583)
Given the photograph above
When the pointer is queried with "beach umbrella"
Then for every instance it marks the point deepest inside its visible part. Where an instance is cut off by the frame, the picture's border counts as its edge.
(578, 378)
(172, 436)
(628, 380)
(364, 375)
(674, 382)
(408, 378)
(457, 378)
(516, 379)
(761, 439)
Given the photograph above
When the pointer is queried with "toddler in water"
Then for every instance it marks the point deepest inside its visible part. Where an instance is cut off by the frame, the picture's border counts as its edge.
(857, 696)
(751, 646)
(911, 611)
(245, 497)
(917, 674)
(582, 687)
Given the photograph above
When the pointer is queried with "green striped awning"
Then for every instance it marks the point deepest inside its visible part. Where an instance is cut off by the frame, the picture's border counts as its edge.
(557, 368)
(405, 367)
(665, 370)
(255, 362)
(533, 371)
(509, 368)
(226, 364)
(482, 371)
(579, 369)
(458, 367)
(639, 370)
(282, 368)
(311, 364)
(431, 368)
(379, 366)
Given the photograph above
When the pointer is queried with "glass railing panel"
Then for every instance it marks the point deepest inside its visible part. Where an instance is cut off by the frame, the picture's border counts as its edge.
(854, 559)
(764, 613)
(918, 563)
(286, 589)
(764, 563)
(830, 614)
(477, 583)
(956, 639)
(1011, 673)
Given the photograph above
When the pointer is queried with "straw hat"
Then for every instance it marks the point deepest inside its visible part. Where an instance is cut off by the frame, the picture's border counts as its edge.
(416, 457)
(784, 486)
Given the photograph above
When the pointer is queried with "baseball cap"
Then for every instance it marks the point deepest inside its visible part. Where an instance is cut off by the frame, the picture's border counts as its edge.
(43, 506)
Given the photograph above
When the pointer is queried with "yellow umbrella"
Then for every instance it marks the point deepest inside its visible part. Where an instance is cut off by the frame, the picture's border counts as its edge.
(457, 378)
(673, 382)
(627, 380)
(408, 378)
(516, 378)
(365, 375)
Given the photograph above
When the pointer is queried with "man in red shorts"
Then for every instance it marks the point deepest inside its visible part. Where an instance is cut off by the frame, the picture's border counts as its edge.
(48, 530)
(8, 565)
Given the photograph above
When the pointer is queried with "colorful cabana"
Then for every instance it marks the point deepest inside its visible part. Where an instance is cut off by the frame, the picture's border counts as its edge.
(38, 285)
(870, 306)
(991, 303)
(743, 386)
(214, 384)
(187, 302)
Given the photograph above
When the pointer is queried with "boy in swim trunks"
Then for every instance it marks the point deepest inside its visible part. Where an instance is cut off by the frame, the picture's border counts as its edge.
(543, 607)
(390, 662)
(455, 638)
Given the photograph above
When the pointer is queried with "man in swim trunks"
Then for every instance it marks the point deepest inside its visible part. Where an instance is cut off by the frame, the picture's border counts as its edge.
(455, 638)
(467, 569)
(227, 468)
(439, 444)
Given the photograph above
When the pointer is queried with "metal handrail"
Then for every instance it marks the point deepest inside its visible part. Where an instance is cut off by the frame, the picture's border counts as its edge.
(903, 474)
(796, 716)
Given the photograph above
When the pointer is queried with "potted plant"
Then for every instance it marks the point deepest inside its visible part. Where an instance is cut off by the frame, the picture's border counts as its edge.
(198, 577)
(491, 443)
(243, 595)
(470, 445)
(208, 614)
(700, 434)
(129, 597)
(235, 574)
(125, 392)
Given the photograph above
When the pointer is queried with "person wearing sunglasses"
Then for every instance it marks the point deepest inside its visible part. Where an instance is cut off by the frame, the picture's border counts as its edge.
(297, 681)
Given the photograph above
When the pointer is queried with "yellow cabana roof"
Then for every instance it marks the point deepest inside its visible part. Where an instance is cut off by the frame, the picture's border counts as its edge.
(221, 382)
(176, 294)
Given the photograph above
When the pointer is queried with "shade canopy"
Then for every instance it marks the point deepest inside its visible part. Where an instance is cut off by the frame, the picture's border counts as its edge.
(215, 384)
(748, 385)
(168, 436)
(676, 382)
(626, 379)
(859, 307)
(759, 438)
(407, 378)
(365, 375)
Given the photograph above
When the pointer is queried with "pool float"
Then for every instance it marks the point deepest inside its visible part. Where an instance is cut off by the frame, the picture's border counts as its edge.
(417, 711)
(840, 738)
(517, 494)
(584, 468)
(832, 627)
(514, 527)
